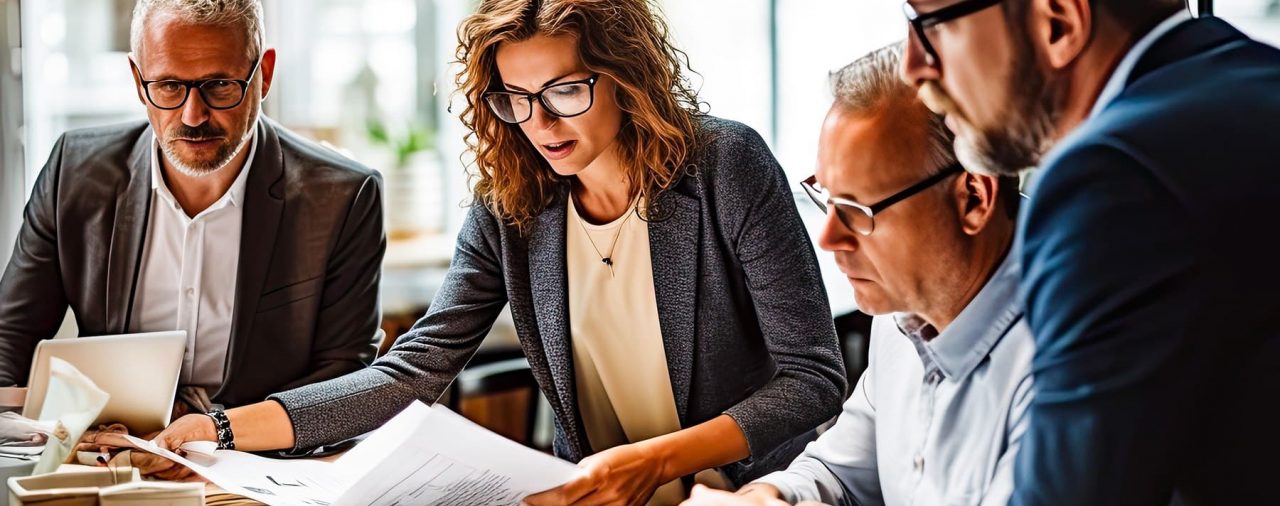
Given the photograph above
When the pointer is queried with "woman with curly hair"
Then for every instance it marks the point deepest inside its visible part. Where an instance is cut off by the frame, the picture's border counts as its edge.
(661, 282)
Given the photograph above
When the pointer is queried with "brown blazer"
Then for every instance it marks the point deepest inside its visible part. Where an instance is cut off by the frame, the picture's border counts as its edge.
(310, 256)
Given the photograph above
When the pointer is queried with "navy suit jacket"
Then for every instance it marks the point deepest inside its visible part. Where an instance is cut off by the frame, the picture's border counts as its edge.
(1150, 280)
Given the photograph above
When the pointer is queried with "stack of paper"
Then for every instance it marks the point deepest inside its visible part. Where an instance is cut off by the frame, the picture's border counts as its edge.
(425, 455)
(22, 438)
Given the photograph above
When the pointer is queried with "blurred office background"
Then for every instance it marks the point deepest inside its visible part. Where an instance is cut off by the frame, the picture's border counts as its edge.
(373, 78)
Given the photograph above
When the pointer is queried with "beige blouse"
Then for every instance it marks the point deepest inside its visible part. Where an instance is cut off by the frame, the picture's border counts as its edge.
(620, 364)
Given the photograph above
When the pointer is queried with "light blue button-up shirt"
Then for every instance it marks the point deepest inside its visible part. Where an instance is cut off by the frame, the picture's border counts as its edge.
(932, 421)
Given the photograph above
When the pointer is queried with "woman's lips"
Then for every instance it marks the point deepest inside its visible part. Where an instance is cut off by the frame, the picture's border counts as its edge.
(559, 150)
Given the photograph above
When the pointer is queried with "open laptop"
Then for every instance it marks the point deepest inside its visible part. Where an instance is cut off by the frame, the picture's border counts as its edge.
(139, 371)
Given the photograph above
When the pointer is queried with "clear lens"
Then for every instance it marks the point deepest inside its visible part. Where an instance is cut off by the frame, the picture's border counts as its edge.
(222, 93)
(568, 99)
(856, 219)
(509, 108)
(167, 94)
(909, 11)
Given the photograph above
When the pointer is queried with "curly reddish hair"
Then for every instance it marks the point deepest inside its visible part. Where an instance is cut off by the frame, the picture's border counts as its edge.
(626, 40)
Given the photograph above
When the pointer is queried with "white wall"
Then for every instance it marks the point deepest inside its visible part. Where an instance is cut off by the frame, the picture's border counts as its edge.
(728, 46)
(12, 171)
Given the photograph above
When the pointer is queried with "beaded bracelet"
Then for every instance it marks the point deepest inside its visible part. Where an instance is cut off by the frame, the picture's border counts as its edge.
(226, 440)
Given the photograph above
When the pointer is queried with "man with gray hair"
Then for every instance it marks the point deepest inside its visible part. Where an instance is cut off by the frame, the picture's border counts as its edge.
(209, 218)
(937, 416)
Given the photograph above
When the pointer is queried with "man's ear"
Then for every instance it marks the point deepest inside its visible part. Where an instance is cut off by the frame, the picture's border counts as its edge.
(977, 199)
(1059, 30)
(268, 70)
(137, 78)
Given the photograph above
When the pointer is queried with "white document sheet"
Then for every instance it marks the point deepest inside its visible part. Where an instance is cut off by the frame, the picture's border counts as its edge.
(275, 482)
(425, 455)
(434, 456)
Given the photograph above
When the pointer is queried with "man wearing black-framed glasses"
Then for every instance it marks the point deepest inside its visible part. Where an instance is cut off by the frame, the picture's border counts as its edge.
(206, 218)
(935, 418)
(1153, 305)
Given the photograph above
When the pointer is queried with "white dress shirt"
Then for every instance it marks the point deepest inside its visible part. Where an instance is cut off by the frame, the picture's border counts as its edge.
(931, 422)
(188, 275)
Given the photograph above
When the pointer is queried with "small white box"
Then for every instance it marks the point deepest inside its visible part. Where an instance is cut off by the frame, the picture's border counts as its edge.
(72, 488)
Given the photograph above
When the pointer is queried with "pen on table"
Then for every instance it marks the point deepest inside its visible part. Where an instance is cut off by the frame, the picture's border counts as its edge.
(105, 455)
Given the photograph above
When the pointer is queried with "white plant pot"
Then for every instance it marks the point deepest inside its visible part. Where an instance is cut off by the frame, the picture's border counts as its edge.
(414, 196)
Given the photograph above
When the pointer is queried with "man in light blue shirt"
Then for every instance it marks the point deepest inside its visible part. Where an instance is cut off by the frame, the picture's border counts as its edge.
(937, 416)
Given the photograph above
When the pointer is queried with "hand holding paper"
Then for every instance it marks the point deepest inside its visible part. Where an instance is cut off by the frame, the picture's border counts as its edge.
(425, 455)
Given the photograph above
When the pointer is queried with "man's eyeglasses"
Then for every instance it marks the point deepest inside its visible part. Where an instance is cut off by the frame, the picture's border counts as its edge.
(220, 94)
(861, 218)
(562, 100)
(922, 22)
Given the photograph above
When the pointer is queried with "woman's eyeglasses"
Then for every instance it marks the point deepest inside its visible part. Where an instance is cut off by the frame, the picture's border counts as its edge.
(562, 100)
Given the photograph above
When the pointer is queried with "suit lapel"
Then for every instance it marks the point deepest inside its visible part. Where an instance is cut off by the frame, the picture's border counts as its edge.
(263, 207)
(673, 247)
(127, 236)
(550, 293)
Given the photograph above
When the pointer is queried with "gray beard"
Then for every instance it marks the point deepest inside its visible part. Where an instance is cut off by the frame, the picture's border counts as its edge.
(221, 162)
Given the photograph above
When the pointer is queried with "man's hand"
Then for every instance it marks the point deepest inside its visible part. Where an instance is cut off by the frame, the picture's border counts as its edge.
(750, 495)
(627, 474)
(109, 441)
(103, 439)
(153, 466)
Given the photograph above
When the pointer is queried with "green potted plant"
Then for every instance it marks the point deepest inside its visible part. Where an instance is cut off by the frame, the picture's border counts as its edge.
(410, 182)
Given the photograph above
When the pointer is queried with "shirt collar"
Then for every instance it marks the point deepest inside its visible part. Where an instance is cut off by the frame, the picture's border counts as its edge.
(965, 343)
(1120, 77)
(234, 195)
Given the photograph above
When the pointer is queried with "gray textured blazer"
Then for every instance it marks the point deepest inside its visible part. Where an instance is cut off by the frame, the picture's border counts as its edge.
(306, 304)
(745, 319)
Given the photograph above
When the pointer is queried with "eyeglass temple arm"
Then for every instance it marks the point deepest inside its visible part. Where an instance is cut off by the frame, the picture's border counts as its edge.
(916, 188)
(955, 11)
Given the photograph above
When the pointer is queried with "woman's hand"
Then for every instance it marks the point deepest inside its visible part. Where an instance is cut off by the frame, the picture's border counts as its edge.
(627, 474)
(186, 429)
